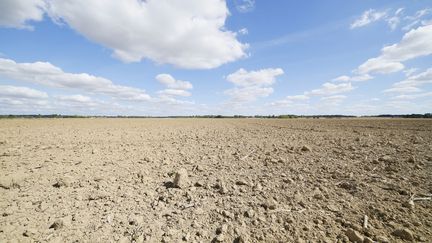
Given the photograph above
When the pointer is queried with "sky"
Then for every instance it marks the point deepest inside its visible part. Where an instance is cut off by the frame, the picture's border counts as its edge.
(198, 57)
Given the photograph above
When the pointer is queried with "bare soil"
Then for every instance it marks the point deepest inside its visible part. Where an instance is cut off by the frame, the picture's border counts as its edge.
(215, 180)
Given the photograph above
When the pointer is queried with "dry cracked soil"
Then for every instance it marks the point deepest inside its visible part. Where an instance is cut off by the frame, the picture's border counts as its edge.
(215, 180)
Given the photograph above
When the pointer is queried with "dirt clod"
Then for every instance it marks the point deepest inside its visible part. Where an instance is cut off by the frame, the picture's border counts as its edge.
(404, 234)
(354, 236)
(58, 224)
(181, 179)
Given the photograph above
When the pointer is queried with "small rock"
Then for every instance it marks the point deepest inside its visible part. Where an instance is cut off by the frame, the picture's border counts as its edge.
(61, 182)
(222, 229)
(270, 204)
(227, 214)
(318, 194)
(404, 234)
(220, 238)
(241, 239)
(258, 187)
(30, 233)
(368, 240)
(411, 159)
(181, 179)
(354, 236)
(222, 188)
(242, 183)
(136, 220)
(58, 224)
(347, 185)
(408, 204)
(382, 239)
(288, 180)
(249, 213)
(306, 148)
(199, 184)
(386, 158)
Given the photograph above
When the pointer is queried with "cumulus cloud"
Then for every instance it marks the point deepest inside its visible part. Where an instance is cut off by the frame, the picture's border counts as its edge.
(263, 77)
(81, 102)
(174, 92)
(188, 33)
(244, 6)
(44, 73)
(251, 85)
(171, 83)
(291, 100)
(331, 89)
(297, 98)
(412, 96)
(75, 98)
(18, 97)
(415, 43)
(173, 87)
(21, 92)
(248, 94)
(333, 100)
(17, 13)
(368, 17)
(412, 83)
(357, 78)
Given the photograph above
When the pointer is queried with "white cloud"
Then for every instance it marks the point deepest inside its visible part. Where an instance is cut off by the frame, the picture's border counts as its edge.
(248, 94)
(368, 17)
(412, 96)
(17, 13)
(174, 92)
(333, 100)
(44, 73)
(75, 98)
(244, 6)
(174, 87)
(263, 77)
(297, 97)
(357, 78)
(334, 97)
(188, 33)
(419, 14)
(21, 92)
(402, 89)
(331, 89)
(399, 11)
(416, 19)
(290, 101)
(380, 65)
(14, 98)
(415, 43)
(251, 85)
(171, 83)
(243, 31)
(412, 83)
(394, 20)
(80, 103)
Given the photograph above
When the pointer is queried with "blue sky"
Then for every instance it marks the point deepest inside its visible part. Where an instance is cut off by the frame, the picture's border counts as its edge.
(194, 57)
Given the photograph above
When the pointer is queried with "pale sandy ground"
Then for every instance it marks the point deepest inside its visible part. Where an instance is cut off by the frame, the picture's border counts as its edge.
(242, 180)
